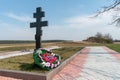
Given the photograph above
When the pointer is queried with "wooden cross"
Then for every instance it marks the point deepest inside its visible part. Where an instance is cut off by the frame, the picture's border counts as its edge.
(38, 24)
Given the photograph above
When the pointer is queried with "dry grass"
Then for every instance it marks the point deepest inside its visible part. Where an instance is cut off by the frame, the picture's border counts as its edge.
(18, 47)
(26, 62)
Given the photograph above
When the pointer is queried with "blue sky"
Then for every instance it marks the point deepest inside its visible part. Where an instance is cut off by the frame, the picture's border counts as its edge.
(68, 19)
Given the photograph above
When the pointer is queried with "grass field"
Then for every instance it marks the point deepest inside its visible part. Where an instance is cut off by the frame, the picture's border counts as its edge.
(16, 47)
(115, 47)
(26, 63)
(27, 46)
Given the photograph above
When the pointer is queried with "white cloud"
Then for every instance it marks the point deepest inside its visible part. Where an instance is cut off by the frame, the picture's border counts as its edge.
(15, 32)
(75, 28)
(23, 18)
(89, 20)
(81, 27)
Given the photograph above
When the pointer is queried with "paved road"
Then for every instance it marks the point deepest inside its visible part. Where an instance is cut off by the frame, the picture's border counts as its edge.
(18, 53)
(14, 53)
(96, 63)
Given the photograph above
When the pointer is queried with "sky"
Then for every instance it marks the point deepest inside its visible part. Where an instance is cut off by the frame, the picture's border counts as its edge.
(67, 19)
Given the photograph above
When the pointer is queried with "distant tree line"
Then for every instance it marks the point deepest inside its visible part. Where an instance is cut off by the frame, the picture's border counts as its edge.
(15, 41)
(116, 40)
(100, 38)
(28, 41)
(57, 41)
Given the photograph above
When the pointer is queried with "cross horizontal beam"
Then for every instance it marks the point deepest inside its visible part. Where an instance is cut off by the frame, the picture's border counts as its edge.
(39, 24)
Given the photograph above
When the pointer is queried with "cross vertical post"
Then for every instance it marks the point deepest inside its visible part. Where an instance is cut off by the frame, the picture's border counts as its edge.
(38, 24)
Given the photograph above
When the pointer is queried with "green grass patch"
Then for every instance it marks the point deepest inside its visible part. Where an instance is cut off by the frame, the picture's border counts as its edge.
(66, 52)
(115, 47)
(26, 62)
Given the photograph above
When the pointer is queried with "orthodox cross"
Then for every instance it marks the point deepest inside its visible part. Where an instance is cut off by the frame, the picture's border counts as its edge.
(38, 24)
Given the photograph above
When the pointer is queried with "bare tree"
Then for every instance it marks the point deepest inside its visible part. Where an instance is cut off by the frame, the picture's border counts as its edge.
(99, 35)
(108, 36)
(116, 7)
(100, 38)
